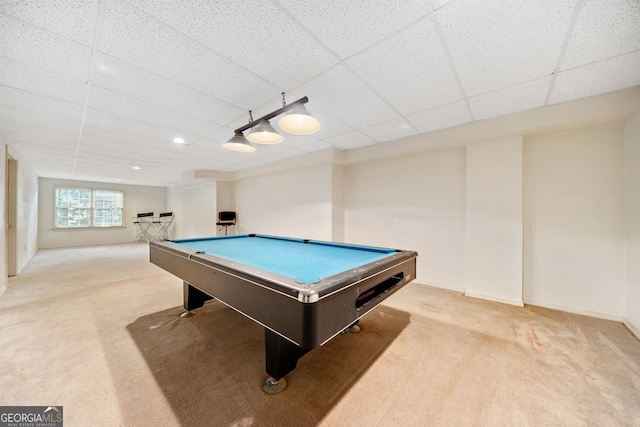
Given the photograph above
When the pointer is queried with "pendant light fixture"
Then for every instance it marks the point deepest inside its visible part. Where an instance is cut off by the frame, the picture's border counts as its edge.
(297, 121)
(264, 133)
(239, 143)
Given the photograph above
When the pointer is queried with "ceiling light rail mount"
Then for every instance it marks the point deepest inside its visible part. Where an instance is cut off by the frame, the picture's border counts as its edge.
(296, 121)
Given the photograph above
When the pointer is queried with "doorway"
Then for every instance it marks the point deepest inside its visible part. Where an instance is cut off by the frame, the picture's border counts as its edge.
(12, 211)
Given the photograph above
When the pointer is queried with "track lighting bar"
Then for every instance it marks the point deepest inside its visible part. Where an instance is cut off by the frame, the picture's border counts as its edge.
(272, 114)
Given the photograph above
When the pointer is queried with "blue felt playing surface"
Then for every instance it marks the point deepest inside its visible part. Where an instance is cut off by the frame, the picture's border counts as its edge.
(303, 262)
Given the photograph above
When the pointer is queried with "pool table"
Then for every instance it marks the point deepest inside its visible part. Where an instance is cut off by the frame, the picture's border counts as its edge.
(304, 292)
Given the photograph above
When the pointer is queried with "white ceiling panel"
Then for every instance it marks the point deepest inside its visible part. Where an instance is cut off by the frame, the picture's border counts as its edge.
(126, 79)
(315, 146)
(38, 132)
(415, 55)
(604, 28)
(28, 117)
(139, 150)
(72, 19)
(341, 94)
(293, 152)
(597, 78)
(387, 131)
(215, 24)
(123, 123)
(40, 104)
(137, 38)
(442, 117)
(347, 27)
(374, 71)
(25, 43)
(328, 125)
(499, 43)
(96, 134)
(115, 103)
(348, 141)
(21, 76)
(525, 96)
(437, 4)
(23, 140)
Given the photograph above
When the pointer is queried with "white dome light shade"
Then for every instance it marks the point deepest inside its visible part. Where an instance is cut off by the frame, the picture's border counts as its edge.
(298, 121)
(264, 133)
(239, 143)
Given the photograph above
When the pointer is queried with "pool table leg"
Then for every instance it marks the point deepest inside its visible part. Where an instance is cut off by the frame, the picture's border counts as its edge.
(193, 298)
(282, 357)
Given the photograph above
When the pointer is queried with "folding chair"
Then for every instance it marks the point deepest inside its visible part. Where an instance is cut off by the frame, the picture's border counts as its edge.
(162, 225)
(226, 219)
(143, 221)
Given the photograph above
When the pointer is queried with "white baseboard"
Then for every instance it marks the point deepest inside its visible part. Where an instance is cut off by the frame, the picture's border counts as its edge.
(495, 299)
(574, 310)
(3, 289)
(439, 286)
(635, 331)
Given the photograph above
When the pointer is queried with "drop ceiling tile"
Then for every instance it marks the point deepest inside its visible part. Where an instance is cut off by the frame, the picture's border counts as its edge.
(415, 55)
(39, 104)
(387, 131)
(349, 27)
(442, 117)
(126, 79)
(123, 123)
(27, 117)
(217, 24)
(341, 94)
(503, 42)
(351, 140)
(137, 38)
(437, 4)
(34, 46)
(211, 150)
(604, 28)
(110, 153)
(53, 157)
(38, 132)
(293, 152)
(73, 19)
(44, 143)
(140, 147)
(594, 79)
(115, 103)
(21, 76)
(521, 97)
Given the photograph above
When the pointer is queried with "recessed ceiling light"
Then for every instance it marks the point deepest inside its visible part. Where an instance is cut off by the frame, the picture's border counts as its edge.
(118, 179)
(178, 141)
(136, 168)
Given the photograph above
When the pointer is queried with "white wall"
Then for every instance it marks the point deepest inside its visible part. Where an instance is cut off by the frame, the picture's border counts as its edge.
(574, 221)
(137, 199)
(295, 203)
(226, 201)
(27, 215)
(493, 223)
(414, 203)
(27, 210)
(337, 203)
(4, 140)
(195, 210)
(632, 271)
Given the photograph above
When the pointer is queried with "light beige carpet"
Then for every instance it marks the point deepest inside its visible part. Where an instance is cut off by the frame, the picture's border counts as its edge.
(96, 330)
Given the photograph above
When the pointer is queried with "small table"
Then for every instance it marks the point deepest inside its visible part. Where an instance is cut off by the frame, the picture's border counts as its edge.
(303, 292)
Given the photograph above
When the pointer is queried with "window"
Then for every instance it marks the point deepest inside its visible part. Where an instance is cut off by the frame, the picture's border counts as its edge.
(83, 208)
